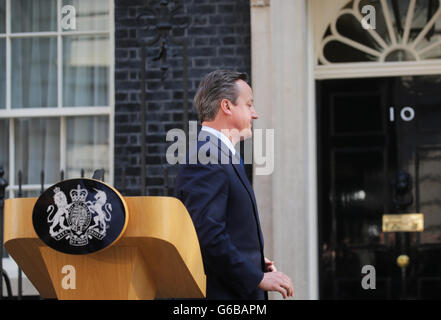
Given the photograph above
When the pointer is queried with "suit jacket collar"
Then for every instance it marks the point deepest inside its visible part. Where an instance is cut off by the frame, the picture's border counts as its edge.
(235, 160)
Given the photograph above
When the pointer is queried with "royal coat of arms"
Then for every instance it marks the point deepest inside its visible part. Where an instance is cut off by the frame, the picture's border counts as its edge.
(81, 219)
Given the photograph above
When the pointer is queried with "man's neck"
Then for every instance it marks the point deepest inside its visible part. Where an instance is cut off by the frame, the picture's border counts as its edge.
(222, 128)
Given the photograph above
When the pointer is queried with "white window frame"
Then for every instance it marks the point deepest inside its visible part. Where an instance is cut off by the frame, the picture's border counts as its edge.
(59, 112)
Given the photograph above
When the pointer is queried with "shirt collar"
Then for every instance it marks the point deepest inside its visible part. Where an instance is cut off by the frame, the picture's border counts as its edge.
(222, 137)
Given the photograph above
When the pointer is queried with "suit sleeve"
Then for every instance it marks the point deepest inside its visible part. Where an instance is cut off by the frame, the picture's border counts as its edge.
(204, 191)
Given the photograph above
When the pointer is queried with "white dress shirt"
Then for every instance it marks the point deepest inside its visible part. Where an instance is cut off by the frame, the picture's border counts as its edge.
(222, 137)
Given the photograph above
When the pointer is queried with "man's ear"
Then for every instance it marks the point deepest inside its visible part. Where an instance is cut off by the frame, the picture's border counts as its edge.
(225, 107)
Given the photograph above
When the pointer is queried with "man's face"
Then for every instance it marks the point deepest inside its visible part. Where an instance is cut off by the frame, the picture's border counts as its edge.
(243, 111)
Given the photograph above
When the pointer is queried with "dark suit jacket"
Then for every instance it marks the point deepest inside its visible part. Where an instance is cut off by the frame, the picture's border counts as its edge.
(221, 202)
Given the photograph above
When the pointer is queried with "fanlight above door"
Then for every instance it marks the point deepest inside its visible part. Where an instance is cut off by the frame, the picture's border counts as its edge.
(405, 30)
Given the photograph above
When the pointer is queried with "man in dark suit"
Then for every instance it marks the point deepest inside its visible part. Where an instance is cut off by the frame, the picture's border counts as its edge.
(216, 192)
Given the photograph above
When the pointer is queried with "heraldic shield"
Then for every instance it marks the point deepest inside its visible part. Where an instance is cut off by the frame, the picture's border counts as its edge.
(80, 216)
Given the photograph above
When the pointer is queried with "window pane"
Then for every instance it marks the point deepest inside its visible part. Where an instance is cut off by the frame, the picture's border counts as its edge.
(2, 73)
(37, 148)
(2, 16)
(4, 147)
(86, 71)
(90, 15)
(34, 72)
(33, 15)
(87, 146)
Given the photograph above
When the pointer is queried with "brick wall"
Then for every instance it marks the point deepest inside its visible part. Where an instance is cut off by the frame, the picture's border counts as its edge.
(218, 37)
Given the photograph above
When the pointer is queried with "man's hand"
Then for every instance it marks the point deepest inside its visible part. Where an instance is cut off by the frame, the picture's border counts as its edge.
(269, 266)
(277, 281)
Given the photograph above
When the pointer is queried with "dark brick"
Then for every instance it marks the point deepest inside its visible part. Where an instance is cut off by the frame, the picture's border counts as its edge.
(197, 73)
(133, 171)
(153, 160)
(231, 20)
(171, 126)
(225, 8)
(200, 62)
(120, 140)
(120, 97)
(133, 54)
(135, 97)
(204, 9)
(201, 41)
(223, 51)
(243, 51)
(153, 106)
(133, 75)
(177, 95)
(153, 128)
(128, 3)
(152, 149)
(177, 74)
(134, 161)
(158, 95)
(218, 61)
(201, 31)
(173, 105)
(154, 85)
(155, 138)
(121, 33)
(130, 85)
(214, 20)
(177, 116)
(120, 75)
(153, 74)
(154, 181)
(173, 84)
(219, 37)
(133, 65)
(132, 33)
(215, 41)
(229, 40)
(154, 171)
(224, 30)
(132, 12)
(128, 128)
(202, 51)
(155, 191)
(134, 140)
(121, 54)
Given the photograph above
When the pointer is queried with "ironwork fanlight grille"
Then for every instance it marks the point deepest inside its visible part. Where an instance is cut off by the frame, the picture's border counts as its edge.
(404, 30)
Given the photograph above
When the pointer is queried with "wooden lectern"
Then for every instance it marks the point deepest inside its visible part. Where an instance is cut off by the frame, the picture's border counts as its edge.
(158, 255)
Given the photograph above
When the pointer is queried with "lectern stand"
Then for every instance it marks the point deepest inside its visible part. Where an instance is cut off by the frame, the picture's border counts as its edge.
(158, 255)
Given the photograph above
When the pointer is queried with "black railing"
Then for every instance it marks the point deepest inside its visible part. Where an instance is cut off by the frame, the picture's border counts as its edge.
(7, 283)
(3, 185)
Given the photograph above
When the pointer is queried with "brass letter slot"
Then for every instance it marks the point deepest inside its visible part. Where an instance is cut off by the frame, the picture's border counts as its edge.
(409, 222)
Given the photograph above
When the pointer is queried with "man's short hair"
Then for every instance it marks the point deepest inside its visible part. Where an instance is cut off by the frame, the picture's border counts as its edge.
(215, 86)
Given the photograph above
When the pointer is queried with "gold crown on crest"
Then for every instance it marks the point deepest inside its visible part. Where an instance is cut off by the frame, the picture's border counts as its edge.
(78, 194)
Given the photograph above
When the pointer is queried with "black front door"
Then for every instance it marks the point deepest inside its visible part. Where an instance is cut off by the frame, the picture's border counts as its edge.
(379, 152)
